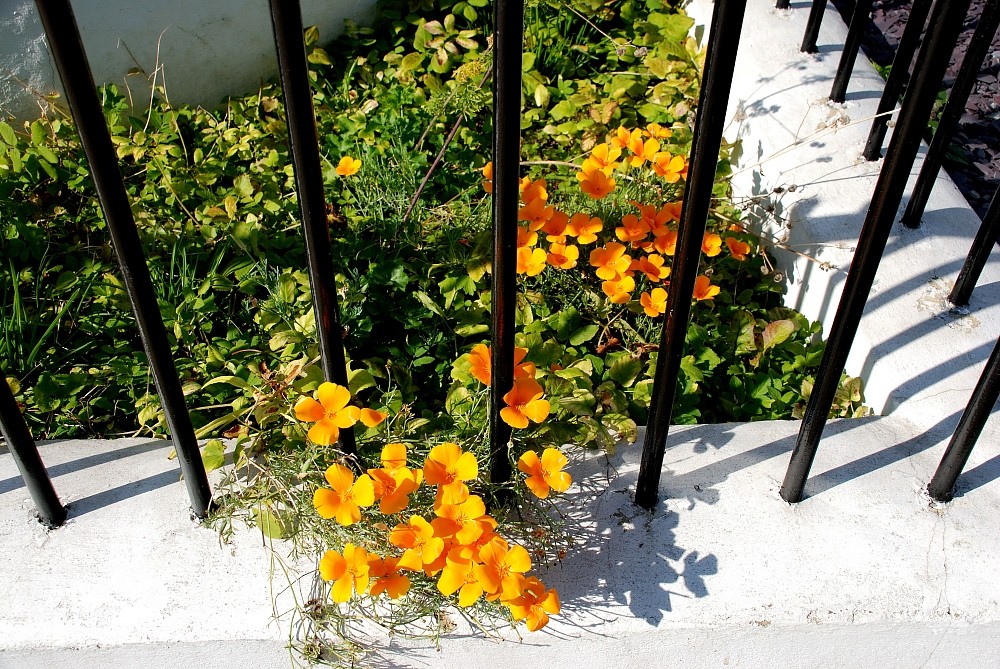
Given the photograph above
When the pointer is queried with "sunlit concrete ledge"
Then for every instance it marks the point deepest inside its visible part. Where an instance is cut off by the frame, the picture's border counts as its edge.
(864, 572)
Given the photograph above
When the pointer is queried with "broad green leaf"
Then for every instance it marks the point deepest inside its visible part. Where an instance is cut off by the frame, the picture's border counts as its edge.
(7, 134)
(586, 333)
(624, 370)
(213, 454)
(269, 523)
(744, 324)
(777, 332)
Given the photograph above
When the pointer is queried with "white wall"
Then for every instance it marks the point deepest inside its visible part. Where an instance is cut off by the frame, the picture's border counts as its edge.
(207, 49)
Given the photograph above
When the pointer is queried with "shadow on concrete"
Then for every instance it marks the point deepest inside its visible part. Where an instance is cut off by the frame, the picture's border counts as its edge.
(978, 476)
(120, 493)
(11, 484)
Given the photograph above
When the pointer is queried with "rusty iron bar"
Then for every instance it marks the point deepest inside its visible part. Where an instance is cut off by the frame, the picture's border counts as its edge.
(724, 40)
(812, 26)
(987, 236)
(859, 21)
(945, 25)
(970, 427)
(898, 75)
(508, 39)
(22, 448)
(81, 94)
(951, 115)
(286, 21)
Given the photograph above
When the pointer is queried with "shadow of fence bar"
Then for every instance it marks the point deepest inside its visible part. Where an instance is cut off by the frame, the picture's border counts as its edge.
(944, 26)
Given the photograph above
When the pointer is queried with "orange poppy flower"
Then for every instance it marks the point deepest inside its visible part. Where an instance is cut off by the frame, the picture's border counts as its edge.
(633, 230)
(331, 413)
(459, 575)
(603, 157)
(534, 604)
(658, 131)
(654, 302)
(488, 177)
(555, 227)
(584, 228)
(536, 213)
(666, 243)
(501, 568)
(711, 244)
(533, 190)
(460, 521)
(619, 291)
(737, 249)
(672, 211)
(642, 151)
(387, 577)
(703, 288)
(530, 261)
(524, 402)
(420, 546)
(480, 363)
(610, 261)
(621, 137)
(525, 237)
(348, 166)
(371, 417)
(595, 184)
(393, 456)
(545, 473)
(347, 496)
(448, 467)
(563, 256)
(349, 572)
(652, 267)
(671, 168)
(393, 488)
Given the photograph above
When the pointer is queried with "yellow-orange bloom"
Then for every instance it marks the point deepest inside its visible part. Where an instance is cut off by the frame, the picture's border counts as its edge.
(536, 213)
(393, 488)
(610, 261)
(371, 417)
(671, 168)
(393, 456)
(530, 261)
(481, 363)
(330, 413)
(488, 177)
(418, 542)
(545, 473)
(448, 467)
(642, 151)
(654, 302)
(604, 157)
(666, 243)
(501, 568)
(347, 496)
(459, 575)
(387, 577)
(658, 131)
(619, 291)
(348, 166)
(737, 249)
(349, 572)
(595, 184)
(672, 211)
(584, 228)
(711, 244)
(633, 230)
(524, 402)
(526, 237)
(563, 256)
(533, 190)
(652, 267)
(621, 137)
(703, 288)
(555, 227)
(534, 604)
(460, 521)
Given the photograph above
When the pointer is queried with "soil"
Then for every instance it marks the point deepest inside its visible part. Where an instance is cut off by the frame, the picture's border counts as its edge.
(974, 159)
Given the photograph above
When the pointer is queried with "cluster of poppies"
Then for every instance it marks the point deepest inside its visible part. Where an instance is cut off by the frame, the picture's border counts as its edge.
(646, 237)
(458, 545)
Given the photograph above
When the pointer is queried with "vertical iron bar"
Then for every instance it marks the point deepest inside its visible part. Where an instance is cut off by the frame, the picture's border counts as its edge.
(812, 26)
(980, 45)
(81, 94)
(22, 448)
(988, 235)
(286, 21)
(898, 75)
(782, 4)
(724, 41)
(970, 426)
(859, 21)
(508, 38)
(945, 24)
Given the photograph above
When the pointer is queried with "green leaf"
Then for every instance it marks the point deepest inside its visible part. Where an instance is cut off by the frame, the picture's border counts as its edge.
(564, 109)
(319, 56)
(777, 332)
(642, 394)
(7, 134)
(527, 61)
(213, 454)
(411, 61)
(542, 95)
(744, 324)
(586, 333)
(269, 523)
(358, 380)
(624, 370)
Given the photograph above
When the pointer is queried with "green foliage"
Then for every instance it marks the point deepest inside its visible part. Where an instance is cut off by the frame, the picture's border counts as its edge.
(213, 197)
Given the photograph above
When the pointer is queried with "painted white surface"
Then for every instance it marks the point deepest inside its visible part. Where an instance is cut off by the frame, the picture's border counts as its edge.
(200, 51)
(802, 161)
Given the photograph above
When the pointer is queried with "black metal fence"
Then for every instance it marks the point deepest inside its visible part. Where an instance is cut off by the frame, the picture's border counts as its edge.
(943, 29)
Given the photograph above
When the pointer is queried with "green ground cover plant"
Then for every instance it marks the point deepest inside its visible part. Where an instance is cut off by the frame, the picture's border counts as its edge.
(403, 114)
